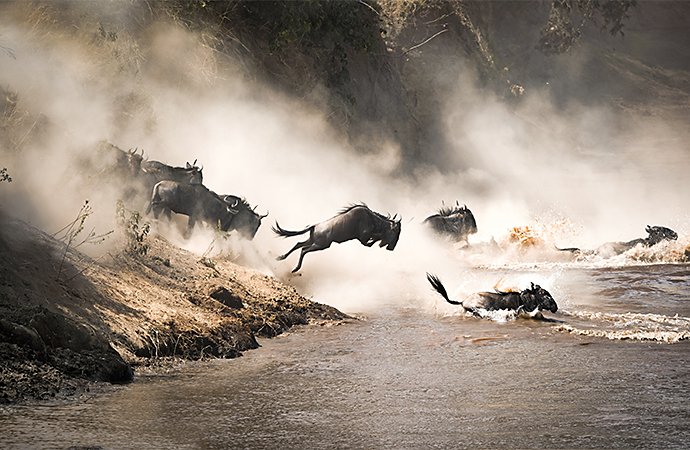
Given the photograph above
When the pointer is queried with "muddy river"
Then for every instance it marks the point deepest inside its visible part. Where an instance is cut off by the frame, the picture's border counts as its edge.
(613, 373)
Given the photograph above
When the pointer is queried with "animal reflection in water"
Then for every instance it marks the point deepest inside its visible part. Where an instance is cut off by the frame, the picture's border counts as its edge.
(655, 235)
(354, 222)
(531, 301)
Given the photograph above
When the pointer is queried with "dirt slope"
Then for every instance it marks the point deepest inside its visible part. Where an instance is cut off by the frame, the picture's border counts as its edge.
(66, 322)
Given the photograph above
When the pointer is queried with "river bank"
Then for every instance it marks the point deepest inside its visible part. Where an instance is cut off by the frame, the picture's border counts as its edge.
(68, 320)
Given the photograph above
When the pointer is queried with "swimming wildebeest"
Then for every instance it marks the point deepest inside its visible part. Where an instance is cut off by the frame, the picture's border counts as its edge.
(655, 235)
(354, 222)
(457, 222)
(528, 300)
(247, 221)
(193, 200)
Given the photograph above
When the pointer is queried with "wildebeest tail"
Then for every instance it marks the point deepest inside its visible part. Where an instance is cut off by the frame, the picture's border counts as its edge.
(569, 249)
(287, 233)
(438, 286)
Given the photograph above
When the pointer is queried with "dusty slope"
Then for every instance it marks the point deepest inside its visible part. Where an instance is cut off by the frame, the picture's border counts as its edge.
(58, 331)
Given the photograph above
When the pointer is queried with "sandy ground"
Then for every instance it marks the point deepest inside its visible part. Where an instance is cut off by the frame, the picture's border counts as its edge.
(67, 320)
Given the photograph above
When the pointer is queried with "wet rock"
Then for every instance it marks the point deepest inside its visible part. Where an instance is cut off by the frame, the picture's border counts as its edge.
(22, 336)
(226, 297)
(77, 350)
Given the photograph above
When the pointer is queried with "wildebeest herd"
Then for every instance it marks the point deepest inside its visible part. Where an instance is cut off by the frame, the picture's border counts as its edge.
(181, 190)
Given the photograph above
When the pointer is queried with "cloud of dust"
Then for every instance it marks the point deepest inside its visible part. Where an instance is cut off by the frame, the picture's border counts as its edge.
(513, 164)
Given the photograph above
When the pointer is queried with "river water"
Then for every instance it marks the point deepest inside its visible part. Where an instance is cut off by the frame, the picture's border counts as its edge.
(613, 373)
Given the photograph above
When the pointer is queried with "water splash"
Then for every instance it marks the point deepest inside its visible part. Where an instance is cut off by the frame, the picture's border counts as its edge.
(628, 326)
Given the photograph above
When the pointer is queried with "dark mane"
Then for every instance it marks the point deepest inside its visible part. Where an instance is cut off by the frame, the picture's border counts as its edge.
(352, 206)
(349, 208)
(450, 210)
(245, 203)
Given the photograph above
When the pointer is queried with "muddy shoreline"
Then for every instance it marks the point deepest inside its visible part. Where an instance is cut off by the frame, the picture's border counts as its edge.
(105, 320)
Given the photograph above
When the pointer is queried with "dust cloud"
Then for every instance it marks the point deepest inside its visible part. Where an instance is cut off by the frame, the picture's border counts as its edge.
(169, 94)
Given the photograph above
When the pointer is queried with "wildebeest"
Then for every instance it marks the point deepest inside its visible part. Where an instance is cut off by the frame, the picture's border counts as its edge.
(193, 200)
(156, 171)
(655, 235)
(528, 300)
(247, 221)
(115, 161)
(456, 222)
(354, 222)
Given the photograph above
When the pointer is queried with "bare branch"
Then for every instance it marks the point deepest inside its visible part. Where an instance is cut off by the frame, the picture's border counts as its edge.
(425, 41)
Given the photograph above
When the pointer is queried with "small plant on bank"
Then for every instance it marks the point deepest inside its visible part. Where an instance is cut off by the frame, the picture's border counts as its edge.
(71, 234)
(135, 232)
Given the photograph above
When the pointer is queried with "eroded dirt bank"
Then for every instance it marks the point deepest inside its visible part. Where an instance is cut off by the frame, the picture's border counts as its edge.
(67, 320)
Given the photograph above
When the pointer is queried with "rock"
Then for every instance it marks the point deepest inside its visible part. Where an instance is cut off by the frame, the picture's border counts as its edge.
(226, 297)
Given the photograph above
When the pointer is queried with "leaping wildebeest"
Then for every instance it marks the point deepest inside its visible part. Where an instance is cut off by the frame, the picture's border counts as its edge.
(354, 222)
(193, 200)
(456, 222)
(528, 300)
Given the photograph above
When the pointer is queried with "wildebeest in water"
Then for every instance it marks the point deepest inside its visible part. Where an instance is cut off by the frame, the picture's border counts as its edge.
(354, 222)
(528, 300)
(455, 222)
(655, 235)
(193, 200)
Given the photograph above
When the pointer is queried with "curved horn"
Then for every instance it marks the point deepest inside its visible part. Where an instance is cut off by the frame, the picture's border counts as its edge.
(225, 199)
(265, 215)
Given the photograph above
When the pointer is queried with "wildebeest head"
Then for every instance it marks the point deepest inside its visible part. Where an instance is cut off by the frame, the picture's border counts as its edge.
(134, 160)
(195, 173)
(658, 234)
(536, 297)
(456, 222)
(392, 234)
(246, 221)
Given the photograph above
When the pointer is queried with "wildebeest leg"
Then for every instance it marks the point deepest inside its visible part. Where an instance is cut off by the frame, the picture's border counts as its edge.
(298, 245)
(313, 248)
(190, 226)
(367, 243)
(156, 210)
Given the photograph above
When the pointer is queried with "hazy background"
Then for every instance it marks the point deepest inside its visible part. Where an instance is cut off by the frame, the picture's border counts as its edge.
(578, 172)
